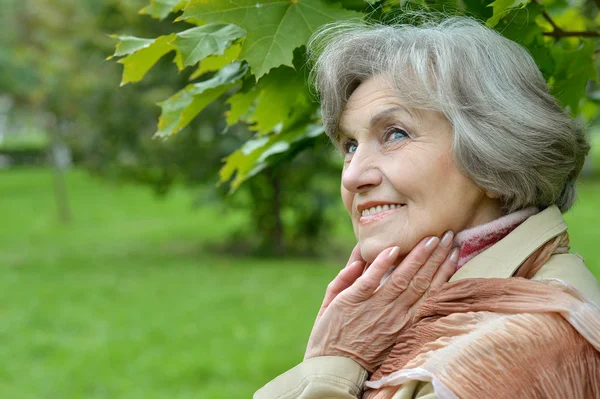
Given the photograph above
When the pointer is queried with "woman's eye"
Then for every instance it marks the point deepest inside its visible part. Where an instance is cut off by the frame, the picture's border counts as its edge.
(350, 147)
(396, 134)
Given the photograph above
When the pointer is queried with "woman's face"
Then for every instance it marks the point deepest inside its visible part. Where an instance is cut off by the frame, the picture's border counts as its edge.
(399, 182)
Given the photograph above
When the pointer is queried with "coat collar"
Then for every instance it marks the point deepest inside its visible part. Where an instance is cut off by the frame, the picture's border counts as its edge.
(502, 259)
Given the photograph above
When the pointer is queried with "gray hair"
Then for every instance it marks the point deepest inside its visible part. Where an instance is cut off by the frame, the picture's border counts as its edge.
(510, 136)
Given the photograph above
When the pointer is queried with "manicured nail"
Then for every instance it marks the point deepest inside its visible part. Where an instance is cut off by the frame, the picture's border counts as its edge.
(447, 240)
(432, 242)
(394, 253)
(353, 264)
(454, 255)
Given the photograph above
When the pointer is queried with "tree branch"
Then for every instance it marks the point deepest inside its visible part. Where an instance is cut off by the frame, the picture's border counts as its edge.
(557, 32)
(554, 26)
(564, 33)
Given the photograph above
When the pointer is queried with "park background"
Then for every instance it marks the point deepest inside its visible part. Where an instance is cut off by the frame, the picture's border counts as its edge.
(126, 270)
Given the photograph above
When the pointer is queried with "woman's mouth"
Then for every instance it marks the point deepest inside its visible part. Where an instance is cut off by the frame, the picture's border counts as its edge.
(378, 212)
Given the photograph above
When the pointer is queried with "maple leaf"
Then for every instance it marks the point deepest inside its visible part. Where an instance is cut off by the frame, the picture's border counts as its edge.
(179, 110)
(216, 62)
(142, 54)
(574, 68)
(256, 154)
(240, 104)
(274, 28)
(190, 46)
(196, 44)
(159, 9)
(501, 8)
(283, 99)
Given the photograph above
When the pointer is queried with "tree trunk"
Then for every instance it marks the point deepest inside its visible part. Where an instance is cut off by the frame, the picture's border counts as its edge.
(277, 228)
(60, 187)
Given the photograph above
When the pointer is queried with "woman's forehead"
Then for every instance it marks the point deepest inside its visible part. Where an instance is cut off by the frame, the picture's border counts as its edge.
(371, 102)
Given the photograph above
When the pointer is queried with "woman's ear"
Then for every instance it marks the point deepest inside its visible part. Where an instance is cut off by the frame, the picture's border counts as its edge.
(493, 195)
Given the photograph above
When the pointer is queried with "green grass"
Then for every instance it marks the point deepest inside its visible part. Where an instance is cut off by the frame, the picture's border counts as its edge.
(126, 302)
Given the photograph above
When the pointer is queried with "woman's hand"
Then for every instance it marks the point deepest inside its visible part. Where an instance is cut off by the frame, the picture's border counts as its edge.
(345, 278)
(362, 320)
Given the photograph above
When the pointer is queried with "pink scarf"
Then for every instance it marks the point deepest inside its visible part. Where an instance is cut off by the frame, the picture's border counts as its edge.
(477, 239)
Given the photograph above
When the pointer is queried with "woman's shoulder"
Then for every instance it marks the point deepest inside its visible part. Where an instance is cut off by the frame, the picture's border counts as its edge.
(571, 269)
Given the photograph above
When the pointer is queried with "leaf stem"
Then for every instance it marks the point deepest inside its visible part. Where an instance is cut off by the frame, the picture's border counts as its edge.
(562, 33)
(557, 32)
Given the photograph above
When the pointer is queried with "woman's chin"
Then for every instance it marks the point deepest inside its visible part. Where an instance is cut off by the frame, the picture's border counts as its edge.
(370, 249)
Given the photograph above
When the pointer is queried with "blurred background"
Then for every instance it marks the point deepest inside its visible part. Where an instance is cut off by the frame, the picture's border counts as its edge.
(125, 272)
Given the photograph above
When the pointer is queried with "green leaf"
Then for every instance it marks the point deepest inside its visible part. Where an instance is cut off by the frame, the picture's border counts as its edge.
(256, 154)
(520, 25)
(240, 104)
(179, 110)
(574, 69)
(478, 9)
(501, 8)
(273, 28)
(145, 55)
(283, 99)
(589, 109)
(216, 62)
(159, 9)
(129, 44)
(196, 44)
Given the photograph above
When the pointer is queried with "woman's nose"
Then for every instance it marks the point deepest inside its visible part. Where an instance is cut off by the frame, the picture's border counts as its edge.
(362, 173)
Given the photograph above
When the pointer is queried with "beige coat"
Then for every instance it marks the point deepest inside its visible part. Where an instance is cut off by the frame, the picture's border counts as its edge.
(338, 377)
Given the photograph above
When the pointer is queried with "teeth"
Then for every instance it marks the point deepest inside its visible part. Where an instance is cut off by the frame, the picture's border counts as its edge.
(378, 209)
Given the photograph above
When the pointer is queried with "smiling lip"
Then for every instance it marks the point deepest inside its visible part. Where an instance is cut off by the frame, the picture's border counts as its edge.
(363, 220)
(371, 204)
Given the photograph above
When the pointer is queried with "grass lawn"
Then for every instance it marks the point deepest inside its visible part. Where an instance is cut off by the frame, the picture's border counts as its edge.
(127, 303)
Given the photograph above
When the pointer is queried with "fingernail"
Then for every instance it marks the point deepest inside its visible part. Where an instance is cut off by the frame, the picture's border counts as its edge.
(454, 255)
(447, 240)
(431, 242)
(394, 253)
(355, 263)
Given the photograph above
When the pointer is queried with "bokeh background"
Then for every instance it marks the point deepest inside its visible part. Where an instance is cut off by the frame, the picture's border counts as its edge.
(125, 272)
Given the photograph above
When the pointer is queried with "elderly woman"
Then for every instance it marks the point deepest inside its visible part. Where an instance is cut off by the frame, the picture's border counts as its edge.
(457, 166)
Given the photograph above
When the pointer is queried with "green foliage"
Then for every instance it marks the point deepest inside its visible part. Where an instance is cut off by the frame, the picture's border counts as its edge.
(198, 43)
(142, 54)
(269, 36)
(161, 8)
(273, 28)
(255, 154)
(179, 110)
(501, 8)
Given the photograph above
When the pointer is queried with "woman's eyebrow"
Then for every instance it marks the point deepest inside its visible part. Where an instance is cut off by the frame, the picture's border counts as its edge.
(387, 112)
(374, 120)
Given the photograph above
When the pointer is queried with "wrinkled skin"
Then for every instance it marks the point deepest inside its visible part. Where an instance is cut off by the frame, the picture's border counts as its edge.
(403, 157)
(360, 319)
(396, 154)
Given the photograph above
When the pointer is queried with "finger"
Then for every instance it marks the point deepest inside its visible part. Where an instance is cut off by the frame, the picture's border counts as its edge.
(446, 270)
(366, 284)
(443, 274)
(339, 283)
(345, 278)
(421, 282)
(400, 278)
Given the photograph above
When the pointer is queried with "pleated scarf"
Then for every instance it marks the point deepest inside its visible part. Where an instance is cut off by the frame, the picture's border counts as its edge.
(501, 338)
